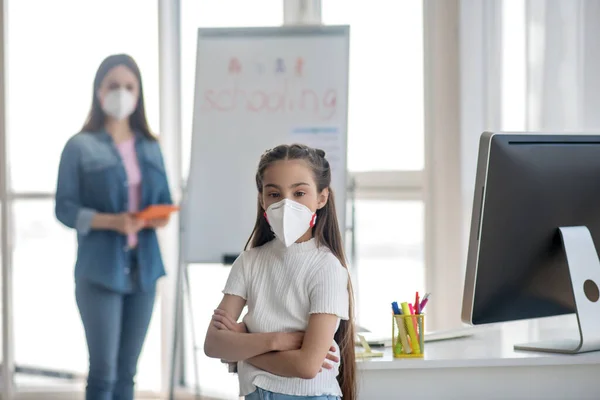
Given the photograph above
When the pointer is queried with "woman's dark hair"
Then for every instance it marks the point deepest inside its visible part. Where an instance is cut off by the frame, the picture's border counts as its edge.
(326, 232)
(96, 117)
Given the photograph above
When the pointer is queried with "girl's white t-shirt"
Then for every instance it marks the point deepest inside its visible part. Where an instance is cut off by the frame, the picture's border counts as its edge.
(282, 287)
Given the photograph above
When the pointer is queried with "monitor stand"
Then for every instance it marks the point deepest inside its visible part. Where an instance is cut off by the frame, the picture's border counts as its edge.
(584, 269)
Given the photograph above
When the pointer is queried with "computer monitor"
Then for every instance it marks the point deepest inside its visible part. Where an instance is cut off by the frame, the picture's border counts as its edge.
(535, 219)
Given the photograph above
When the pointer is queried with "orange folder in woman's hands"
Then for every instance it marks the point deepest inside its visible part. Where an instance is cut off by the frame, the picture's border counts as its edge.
(157, 211)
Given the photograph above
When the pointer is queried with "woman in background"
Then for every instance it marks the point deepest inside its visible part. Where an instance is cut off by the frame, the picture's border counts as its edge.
(108, 171)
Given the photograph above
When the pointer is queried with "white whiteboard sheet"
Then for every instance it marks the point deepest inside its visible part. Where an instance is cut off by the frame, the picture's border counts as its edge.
(257, 88)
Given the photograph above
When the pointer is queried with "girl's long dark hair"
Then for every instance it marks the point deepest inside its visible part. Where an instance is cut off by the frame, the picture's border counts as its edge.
(326, 232)
(96, 117)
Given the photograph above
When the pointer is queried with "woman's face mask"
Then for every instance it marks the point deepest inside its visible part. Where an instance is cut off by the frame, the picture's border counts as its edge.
(289, 220)
(119, 104)
(119, 92)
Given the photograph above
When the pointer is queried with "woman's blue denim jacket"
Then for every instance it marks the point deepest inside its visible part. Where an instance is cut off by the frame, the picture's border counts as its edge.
(92, 179)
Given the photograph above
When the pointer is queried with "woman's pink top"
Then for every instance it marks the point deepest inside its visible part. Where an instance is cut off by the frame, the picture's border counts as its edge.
(134, 180)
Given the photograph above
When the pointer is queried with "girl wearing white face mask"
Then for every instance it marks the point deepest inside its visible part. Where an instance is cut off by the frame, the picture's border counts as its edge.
(297, 339)
(109, 171)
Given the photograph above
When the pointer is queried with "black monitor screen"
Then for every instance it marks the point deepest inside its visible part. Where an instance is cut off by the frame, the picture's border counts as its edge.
(533, 186)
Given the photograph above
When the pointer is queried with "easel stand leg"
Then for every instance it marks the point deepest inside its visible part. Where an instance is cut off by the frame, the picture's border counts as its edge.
(584, 269)
(195, 347)
(176, 330)
(182, 287)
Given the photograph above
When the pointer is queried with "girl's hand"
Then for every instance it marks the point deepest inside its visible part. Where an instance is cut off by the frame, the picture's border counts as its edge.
(331, 357)
(222, 321)
(231, 366)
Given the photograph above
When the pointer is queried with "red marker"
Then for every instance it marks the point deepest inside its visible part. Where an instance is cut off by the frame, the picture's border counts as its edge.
(417, 304)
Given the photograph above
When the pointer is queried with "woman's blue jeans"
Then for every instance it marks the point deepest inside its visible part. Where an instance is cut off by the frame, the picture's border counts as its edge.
(115, 328)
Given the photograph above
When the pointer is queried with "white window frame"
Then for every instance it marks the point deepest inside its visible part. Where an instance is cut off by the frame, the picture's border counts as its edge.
(7, 309)
(388, 185)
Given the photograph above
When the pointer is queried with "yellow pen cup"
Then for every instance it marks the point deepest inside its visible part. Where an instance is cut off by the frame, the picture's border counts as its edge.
(407, 336)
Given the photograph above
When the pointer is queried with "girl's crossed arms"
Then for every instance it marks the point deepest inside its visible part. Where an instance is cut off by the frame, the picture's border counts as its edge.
(273, 342)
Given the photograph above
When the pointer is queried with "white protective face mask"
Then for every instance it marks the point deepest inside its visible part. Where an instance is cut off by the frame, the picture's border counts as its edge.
(289, 220)
(119, 103)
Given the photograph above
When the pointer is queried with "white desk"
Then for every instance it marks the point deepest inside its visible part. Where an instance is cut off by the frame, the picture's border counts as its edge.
(483, 366)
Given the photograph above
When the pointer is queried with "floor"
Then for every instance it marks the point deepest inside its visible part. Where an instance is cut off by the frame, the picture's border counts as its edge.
(78, 395)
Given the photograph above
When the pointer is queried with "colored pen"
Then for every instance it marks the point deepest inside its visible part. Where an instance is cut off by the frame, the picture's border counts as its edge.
(425, 297)
(402, 343)
(411, 329)
(414, 321)
(417, 304)
(421, 333)
(424, 301)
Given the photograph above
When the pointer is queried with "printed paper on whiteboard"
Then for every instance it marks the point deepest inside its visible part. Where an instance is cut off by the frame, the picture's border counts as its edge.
(328, 139)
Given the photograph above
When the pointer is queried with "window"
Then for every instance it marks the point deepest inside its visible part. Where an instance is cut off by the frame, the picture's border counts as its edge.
(43, 290)
(513, 86)
(389, 257)
(51, 71)
(50, 74)
(207, 280)
(385, 151)
(385, 122)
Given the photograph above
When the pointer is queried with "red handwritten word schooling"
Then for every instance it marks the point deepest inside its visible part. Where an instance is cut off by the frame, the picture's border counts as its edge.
(321, 104)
